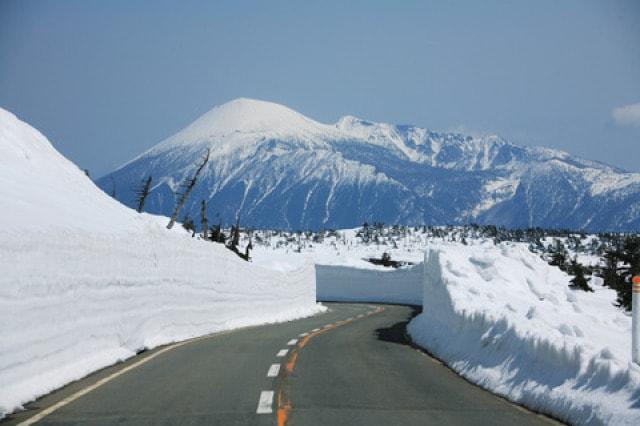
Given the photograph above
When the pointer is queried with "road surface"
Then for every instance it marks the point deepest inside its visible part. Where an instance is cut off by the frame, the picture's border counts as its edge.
(350, 366)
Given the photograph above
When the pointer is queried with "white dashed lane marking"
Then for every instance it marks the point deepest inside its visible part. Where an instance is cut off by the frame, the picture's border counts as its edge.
(315, 330)
(304, 335)
(273, 370)
(292, 342)
(282, 352)
(265, 402)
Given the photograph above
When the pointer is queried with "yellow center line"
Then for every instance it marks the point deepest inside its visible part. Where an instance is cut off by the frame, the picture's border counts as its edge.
(283, 404)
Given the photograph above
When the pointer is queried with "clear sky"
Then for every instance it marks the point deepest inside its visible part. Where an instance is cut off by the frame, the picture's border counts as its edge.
(105, 80)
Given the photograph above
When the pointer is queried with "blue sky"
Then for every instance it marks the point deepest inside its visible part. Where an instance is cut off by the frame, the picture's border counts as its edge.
(107, 80)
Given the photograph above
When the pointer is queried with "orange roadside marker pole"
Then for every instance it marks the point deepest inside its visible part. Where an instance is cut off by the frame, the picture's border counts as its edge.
(635, 319)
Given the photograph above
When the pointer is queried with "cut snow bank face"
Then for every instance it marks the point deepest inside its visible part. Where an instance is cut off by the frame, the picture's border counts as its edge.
(504, 319)
(351, 284)
(87, 282)
(342, 272)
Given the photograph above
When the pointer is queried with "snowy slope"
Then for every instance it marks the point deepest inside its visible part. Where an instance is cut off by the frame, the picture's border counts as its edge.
(504, 319)
(86, 282)
(44, 190)
(278, 168)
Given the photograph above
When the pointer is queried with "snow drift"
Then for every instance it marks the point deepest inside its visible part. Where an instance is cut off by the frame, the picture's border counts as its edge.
(504, 319)
(86, 281)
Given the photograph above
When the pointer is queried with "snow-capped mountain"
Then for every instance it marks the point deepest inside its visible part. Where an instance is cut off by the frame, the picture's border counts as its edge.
(277, 168)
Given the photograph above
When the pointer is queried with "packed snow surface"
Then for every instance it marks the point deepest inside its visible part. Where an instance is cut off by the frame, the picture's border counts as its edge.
(506, 320)
(87, 282)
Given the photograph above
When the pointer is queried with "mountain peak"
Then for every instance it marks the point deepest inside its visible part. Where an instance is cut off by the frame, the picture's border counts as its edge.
(282, 169)
(246, 115)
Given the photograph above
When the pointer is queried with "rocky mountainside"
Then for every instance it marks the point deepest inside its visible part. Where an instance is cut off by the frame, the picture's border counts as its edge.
(277, 168)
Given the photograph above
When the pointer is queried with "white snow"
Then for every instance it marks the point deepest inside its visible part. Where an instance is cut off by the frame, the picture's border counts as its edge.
(344, 250)
(242, 123)
(495, 192)
(603, 181)
(352, 284)
(87, 282)
(343, 274)
(504, 319)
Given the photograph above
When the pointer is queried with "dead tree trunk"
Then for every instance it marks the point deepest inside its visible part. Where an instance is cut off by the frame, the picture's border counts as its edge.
(236, 236)
(188, 186)
(203, 221)
(142, 194)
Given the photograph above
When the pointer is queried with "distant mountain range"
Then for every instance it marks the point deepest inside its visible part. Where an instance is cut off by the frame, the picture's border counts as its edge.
(277, 168)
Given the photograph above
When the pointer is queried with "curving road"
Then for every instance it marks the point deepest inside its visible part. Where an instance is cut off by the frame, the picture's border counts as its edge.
(350, 366)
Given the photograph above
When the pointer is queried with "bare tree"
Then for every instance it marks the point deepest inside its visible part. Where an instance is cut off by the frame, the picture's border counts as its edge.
(188, 186)
(142, 194)
(203, 221)
(235, 234)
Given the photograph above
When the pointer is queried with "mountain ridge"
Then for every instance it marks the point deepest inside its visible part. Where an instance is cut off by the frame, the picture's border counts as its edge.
(277, 168)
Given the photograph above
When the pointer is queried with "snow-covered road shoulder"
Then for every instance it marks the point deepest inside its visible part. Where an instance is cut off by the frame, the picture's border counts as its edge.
(504, 319)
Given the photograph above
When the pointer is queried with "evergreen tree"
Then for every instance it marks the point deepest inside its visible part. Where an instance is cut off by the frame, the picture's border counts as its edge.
(188, 224)
(217, 235)
(609, 272)
(579, 281)
(630, 257)
(559, 256)
(621, 263)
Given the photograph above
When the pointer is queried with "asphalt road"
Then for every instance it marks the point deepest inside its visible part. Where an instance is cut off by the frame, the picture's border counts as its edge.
(358, 372)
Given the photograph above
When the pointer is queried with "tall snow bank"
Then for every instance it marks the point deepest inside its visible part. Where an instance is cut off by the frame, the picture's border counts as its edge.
(352, 284)
(506, 320)
(42, 190)
(86, 282)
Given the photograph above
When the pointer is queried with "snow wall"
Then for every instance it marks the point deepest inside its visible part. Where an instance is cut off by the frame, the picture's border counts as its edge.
(86, 282)
(350, 284)
(75, 302)
(504, 319)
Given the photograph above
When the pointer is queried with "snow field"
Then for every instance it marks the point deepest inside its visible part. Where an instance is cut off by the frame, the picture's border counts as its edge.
(504, 319)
